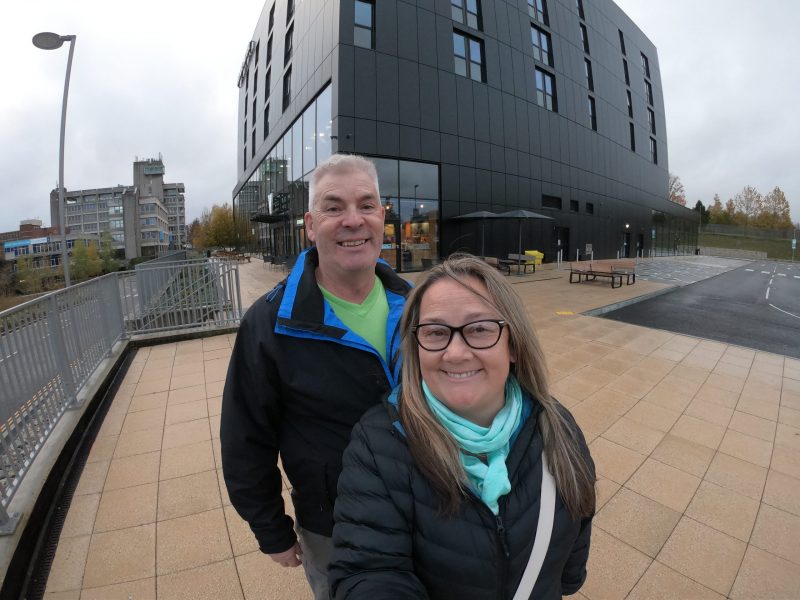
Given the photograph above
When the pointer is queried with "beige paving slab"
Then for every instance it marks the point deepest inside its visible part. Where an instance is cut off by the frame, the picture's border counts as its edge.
(662, 583)
(709, 411)
(148, 402)
(66, 572)
(789, 416)
(699, 431)
(703, 554)
(187, 460)
(144, 420)
(140, 589)
(187, 411)
(640, 522)
(138, 442)
(215, 388)
(81, 515)
(778, 532)
(665, 484)
(187, 394)
(633, 435)
(92, 478)
(613, 461)
(747, 448)
(613, 568)
(188, 495)
(717, 395)
(788, 437)
(740, 476)
(133, 470)
(241, 536)
(724, 510)
(192, 541)
(758, 406)
(763, 429)
(214, 406)
(684, 455)
(764, 576)
(120, 556)
(102, 448)
(127, 507)
(209, 582)
(184, 434)
(653, 416)
(604, 490)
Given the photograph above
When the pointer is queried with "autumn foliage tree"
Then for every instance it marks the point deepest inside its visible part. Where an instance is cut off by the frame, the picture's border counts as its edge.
(749, 208)
(214, 228)
(677, 193)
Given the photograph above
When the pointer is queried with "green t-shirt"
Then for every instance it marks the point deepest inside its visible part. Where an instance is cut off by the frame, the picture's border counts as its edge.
(367, 319)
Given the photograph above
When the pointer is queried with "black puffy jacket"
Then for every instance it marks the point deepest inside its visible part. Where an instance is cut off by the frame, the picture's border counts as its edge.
(390, 543)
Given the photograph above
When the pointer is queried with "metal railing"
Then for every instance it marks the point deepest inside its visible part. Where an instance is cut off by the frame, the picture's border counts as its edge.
(50, 346)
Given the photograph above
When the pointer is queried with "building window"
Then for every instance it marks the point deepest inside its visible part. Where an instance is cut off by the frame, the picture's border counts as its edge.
(467, 12)
(584, 38)
(651, 120)
(590, 208)
(574, 205)
(653, 151)
(468, 54)
(633, 137)
(592, 113)
(551, 202)
(579, 6)
(289, 11)
(541, 45)
(269, 50)
(267, 83)
(625, 69)
(271, 18)
(253, 143)
(247, 80)
(546, 90)
(244, 158)
(287, 46)
(244, 131)
(364, 25)
(246, 102)
(537, 9)
(645, 65)
(648, 92)
(258, 47)
(630, 103)
(287, 88)
(621, 42)
(255, 82)
(589, 79)
(254, 111)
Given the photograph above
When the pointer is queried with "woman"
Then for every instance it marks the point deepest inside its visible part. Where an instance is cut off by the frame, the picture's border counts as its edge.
(440, 492)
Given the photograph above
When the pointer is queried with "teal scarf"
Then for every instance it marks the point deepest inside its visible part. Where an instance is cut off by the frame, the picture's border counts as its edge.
(489, 479)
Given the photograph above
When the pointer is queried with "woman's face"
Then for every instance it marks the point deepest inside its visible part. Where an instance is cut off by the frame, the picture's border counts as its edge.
(469, 382)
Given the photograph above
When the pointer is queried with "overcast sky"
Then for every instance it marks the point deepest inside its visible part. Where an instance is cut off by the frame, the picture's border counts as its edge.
(160, 76)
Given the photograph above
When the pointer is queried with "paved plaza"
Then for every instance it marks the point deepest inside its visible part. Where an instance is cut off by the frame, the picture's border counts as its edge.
(696, 442)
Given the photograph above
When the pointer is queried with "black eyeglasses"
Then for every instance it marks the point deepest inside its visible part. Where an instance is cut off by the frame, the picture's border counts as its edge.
(478, 335)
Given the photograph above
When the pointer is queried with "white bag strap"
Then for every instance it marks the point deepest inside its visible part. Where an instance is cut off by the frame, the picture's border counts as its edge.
(547, 508)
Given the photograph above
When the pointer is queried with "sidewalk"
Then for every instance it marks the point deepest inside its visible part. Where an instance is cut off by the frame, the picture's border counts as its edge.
(697, 446)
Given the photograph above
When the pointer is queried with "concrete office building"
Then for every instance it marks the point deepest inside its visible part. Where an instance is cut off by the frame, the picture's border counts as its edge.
(145, 219)
(554, 106)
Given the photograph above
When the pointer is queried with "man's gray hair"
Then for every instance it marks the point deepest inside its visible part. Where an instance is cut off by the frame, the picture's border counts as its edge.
(340, 163)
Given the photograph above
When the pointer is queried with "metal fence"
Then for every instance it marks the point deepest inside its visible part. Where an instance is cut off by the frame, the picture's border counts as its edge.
(50, 346)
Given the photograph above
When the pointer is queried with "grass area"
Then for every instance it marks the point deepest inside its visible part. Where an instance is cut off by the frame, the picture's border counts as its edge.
(777, 249)
(7, 302)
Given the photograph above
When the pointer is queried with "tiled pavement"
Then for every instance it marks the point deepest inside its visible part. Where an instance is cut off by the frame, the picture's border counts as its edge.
(697, 446)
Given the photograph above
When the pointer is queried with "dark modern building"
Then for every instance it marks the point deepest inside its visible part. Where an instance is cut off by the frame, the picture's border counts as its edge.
(554, 106)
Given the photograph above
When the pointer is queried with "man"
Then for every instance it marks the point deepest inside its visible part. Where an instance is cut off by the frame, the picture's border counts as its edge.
(310, 358)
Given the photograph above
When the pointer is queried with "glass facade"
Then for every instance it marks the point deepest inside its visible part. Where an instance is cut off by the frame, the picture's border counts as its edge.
(671, 235)
(269, 207)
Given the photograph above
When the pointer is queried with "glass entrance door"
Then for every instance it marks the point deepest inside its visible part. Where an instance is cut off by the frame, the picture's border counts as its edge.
(390, 252)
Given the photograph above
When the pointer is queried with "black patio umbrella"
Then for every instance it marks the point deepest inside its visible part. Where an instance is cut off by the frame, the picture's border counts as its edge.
(478, 215)
(521, 214)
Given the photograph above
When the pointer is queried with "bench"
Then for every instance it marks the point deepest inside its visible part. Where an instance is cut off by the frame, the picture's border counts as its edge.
(499, 264)
(240, 257)
(627, 267)
(522, 262)
(592, 270)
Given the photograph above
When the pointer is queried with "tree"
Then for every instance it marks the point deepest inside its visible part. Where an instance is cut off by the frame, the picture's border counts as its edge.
(109, 263)
(705, 216)
(220, 231)
(94, 264)
(748, 203)
(775, 211)
(79, 264)
(6, 277)
(716, 211)
(29, 278)
(676, 192)
(195, 234)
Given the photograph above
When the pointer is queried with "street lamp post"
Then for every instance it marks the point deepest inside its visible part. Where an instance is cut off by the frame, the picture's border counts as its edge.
(51, 41)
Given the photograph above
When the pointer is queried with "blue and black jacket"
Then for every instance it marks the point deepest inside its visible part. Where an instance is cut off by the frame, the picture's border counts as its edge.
(298, 381)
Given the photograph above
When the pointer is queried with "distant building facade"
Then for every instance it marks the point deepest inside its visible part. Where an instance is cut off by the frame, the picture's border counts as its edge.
(145, 219)
(41, 244)
(554, 106)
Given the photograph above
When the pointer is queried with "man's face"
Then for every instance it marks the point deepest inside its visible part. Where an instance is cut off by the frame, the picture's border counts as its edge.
(346, 223)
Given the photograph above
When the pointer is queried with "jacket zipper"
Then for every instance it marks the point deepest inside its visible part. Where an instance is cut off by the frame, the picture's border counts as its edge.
(502, 543)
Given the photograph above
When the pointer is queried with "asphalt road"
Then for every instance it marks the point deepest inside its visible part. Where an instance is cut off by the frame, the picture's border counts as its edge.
(756, 306)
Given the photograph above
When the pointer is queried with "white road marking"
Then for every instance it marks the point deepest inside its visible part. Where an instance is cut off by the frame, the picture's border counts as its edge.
(785, 311)
(751, 270)
(767, 298)
(765, 272)
(781, 274)
(796, 276)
